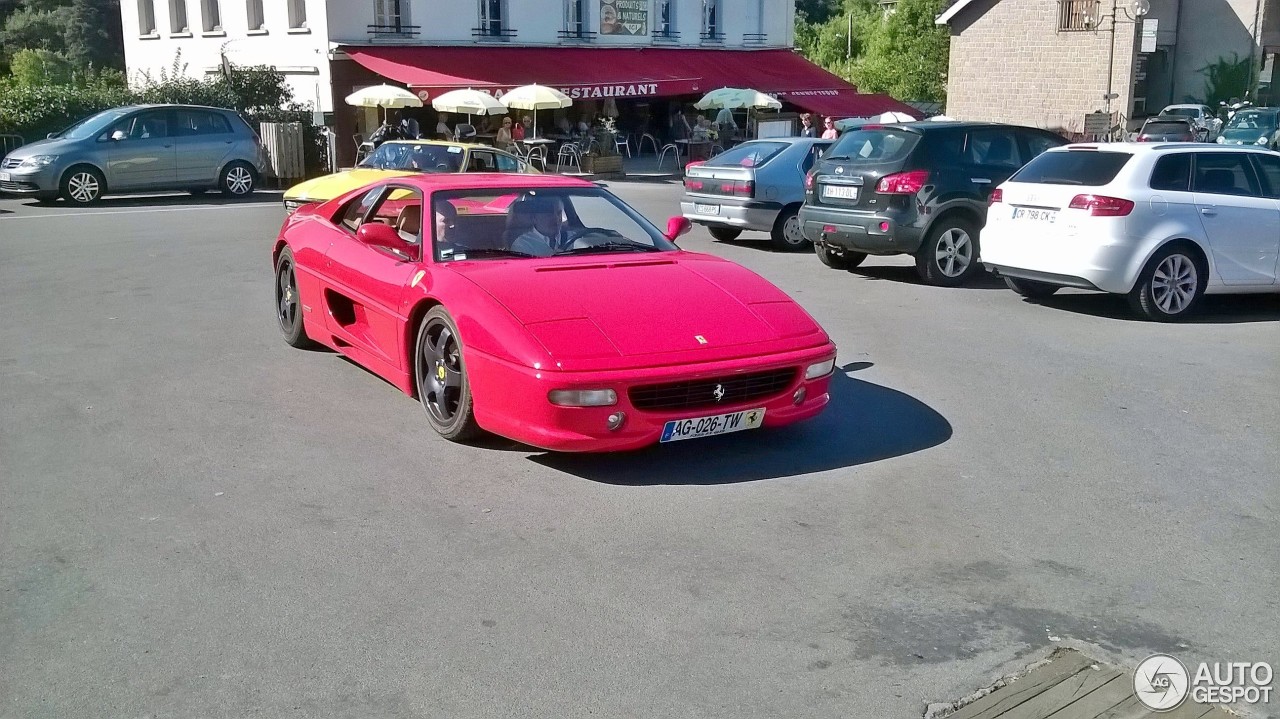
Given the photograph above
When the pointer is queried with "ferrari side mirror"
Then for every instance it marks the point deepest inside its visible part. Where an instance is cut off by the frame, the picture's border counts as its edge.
(677, 226)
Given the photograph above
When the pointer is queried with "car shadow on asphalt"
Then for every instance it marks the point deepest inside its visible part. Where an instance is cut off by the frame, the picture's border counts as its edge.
(908, 275)
(184, 199)
(1213, 309)
(865, 422)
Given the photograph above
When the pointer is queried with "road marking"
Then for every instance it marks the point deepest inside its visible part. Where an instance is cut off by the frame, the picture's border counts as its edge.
(258, 205)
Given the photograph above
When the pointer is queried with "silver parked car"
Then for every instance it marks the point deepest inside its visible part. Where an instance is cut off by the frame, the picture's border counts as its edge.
(139, 148)
(758, 185)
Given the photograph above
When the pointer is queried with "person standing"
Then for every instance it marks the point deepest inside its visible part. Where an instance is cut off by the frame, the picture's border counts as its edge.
(829, 131)
(806, 126)
(726, 126)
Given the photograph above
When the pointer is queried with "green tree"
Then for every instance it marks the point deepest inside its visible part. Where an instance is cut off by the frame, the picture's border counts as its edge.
(32, 27)
(92, 34)
(829, 45)
(907, 57)
(37, 68)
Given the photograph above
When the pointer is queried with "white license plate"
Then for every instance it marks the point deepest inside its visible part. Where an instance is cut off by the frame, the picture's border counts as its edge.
(706, 209)
(840, 192)
(1026, 213)
(4, 177)
(678, 429)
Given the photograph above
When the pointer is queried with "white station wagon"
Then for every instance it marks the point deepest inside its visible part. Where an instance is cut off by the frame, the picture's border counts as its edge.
(1163, 224)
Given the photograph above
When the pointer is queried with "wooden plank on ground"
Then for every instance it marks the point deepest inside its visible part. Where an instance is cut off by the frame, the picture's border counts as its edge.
(1024, 689)
(1062, 696)
(1100, 700)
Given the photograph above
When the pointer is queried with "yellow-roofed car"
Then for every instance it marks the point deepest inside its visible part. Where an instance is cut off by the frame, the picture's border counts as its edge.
(404, 157)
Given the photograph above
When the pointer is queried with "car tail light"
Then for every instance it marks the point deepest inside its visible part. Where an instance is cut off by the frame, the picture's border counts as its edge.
(693, 164)
(1143, 138)
(692, 184)
(903, 183)
(997, 195)
(808, 181)
(1101, 205)
(741, 188)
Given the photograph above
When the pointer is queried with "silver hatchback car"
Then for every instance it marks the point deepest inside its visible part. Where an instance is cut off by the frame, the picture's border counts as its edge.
(758, 185)
(139, 148)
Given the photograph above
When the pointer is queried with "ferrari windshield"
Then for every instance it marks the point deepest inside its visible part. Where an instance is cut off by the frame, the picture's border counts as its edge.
(1253, 120)
(416, 157)
(538, 222)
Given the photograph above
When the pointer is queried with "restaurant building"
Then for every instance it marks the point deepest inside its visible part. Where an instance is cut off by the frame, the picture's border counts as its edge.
(641, 60)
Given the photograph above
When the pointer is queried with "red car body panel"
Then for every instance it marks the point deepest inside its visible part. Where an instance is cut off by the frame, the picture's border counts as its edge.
(529, 326)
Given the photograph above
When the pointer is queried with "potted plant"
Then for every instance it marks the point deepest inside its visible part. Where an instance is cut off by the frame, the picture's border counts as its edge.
(603, 157)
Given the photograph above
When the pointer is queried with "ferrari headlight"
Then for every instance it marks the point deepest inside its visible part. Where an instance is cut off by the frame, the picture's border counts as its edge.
(583, 397)
(291, 206)
(36, 161)
(821, 369)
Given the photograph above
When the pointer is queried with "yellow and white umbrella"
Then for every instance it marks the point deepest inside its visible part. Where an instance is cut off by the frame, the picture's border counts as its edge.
(383, 96)
(536, 97)
(469, 102)
(736, 98)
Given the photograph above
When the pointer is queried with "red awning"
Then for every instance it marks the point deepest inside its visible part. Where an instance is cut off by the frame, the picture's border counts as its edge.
(624, 73)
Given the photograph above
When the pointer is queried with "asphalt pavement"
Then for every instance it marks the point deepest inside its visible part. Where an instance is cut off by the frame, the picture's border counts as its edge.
(197, 520)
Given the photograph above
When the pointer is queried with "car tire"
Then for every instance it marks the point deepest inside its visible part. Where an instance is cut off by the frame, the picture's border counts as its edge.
(949, 255)
(1171, 285)
(82, 185)
(1031, 289)
(238, 180)
(837, 259)
(289, 302)
(441, 375)
(787, 234)
(724, 234)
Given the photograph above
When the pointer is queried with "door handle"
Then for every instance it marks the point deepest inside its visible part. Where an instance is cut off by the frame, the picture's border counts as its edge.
(1209, 211)
(980, 180)
(168, 145)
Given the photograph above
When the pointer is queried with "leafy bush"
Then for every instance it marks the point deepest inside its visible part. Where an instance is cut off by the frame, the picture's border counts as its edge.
(32, 68)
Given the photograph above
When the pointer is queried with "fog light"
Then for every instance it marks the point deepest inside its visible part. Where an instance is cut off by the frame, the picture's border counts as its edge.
(799, 396)
(615, 421)
(821, 369)
(884, 226)
(583, 397)
(829, 228)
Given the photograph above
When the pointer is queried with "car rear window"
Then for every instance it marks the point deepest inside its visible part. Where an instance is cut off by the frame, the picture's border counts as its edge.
(1171, 127)
(873, 146)
(1090, 168)
(748, 154)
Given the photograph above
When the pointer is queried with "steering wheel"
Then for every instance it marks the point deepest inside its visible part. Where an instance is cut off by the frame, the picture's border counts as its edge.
(580, 232)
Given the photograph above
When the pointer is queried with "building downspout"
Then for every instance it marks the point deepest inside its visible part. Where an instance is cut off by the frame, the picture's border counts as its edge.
(1173, 55)
(1253, 50)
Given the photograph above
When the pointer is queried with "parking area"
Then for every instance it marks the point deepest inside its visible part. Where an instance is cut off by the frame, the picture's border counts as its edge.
(198, 520)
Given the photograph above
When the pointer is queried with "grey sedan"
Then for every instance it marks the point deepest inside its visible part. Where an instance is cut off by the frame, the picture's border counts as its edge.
(139, 148)
(758, 185)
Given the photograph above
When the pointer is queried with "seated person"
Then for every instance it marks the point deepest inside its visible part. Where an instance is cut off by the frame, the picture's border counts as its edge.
(446, 222)
(545, 235)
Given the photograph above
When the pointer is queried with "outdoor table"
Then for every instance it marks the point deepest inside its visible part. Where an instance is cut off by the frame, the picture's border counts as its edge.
(696, 149)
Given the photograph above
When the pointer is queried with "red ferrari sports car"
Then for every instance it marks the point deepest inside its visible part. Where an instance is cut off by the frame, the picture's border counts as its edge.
(544, 309)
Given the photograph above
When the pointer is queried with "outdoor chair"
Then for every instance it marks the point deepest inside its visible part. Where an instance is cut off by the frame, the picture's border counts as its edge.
(669, 147)
(622, 141)
(537, 156)
(568, 155)
(640, 145)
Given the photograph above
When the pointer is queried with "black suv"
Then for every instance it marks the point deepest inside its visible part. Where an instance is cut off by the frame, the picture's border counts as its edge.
(916, 188)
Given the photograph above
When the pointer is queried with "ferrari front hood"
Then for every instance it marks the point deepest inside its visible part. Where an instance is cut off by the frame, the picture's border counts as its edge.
(614, 306)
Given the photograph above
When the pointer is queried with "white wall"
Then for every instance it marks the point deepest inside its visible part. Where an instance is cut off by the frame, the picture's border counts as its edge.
(539, 22)
(301, 54)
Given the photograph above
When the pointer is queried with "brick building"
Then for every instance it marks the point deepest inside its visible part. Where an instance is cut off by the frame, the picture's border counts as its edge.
(1045, 62)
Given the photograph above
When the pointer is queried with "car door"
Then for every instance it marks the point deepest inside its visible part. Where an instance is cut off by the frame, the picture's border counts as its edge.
(366, 284)
(1241, 224)
(993, 156)
(202, 141)
(1268, 166)
(141, 154)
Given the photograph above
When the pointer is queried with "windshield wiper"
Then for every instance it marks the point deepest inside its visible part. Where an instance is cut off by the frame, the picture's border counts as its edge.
(835, 157)
(489, 252)
(610, 247)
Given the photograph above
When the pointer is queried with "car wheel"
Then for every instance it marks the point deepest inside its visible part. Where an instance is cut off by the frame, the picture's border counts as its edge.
(724, 234)
(443, 386)
(237, 180)
(83, 185)
(1171, 285)
(288, 303)
(1031, 289)
(838, 259)
(787, 235)
(949, 255)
